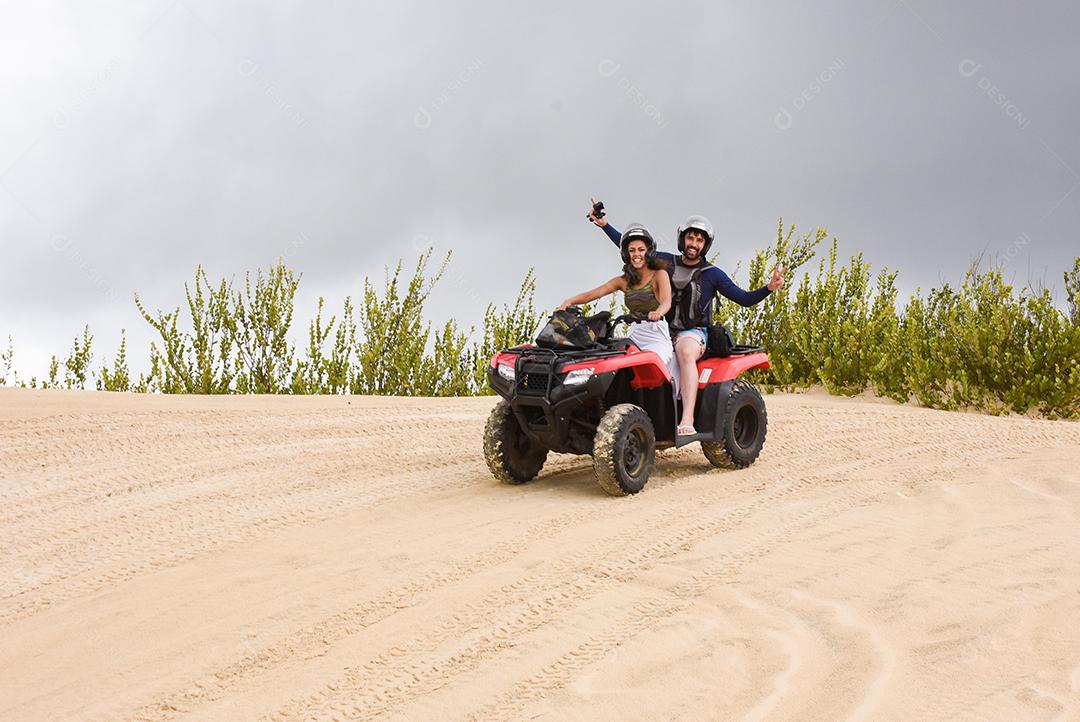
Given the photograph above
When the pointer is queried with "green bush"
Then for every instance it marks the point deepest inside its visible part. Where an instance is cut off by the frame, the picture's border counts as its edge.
(238, 342)
(201, 361)
(78, 362)
(1072, 292)
(118, 378)
(258, 322)
(7, 358)
(449, 369)
(394, 336)
(54, 371)
(505, 327)
(983, 345)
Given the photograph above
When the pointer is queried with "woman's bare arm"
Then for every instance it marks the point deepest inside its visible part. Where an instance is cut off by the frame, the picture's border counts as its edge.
(615, 284)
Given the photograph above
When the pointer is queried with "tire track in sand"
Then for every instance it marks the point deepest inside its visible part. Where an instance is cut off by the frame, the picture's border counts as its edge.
(554, 681)
(179, 530)
(308, 641)
(410, 679)
(649, 614)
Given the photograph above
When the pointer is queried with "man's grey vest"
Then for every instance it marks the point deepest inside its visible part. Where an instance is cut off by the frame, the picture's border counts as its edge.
(686, 295)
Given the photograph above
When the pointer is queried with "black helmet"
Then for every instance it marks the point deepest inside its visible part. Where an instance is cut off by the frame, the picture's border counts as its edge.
(637, 231)
(698, 223)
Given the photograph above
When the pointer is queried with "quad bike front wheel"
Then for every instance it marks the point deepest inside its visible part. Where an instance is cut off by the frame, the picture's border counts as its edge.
(742, 429)
(511, 455)
(624, 450)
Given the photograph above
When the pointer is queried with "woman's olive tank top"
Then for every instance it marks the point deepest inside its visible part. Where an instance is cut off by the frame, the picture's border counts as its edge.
(642, 300)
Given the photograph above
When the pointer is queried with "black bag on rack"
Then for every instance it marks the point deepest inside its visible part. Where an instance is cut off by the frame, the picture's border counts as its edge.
(719, 342)
(569, 328)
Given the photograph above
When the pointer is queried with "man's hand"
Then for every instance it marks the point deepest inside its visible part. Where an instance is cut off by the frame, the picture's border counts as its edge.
(598, 220)
(655, 315)
(777, 277)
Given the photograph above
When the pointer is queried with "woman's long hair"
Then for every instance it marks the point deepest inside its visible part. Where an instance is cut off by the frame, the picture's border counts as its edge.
(633, 276)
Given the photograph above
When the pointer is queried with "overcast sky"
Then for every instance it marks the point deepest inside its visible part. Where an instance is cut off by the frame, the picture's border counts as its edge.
(139, 140)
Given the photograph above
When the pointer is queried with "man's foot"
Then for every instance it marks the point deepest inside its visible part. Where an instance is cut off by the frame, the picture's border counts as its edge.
(685, 430)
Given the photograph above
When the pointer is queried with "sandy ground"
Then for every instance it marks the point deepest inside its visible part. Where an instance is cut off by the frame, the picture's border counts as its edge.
(293, 558)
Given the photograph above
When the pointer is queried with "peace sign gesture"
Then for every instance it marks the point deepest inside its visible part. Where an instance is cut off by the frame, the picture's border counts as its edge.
(777, 277)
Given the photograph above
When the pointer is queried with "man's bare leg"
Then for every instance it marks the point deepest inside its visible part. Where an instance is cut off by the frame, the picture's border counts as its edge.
(688, 350)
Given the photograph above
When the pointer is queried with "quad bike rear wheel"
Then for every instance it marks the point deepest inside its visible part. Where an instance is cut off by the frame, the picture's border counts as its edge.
(624, 450)
(742, 429)
(511, 455)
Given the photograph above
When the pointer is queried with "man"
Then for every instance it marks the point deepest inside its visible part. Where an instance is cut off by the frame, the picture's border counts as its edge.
(695, 283)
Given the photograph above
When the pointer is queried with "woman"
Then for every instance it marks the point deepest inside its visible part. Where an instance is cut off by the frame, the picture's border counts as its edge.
(647, 288)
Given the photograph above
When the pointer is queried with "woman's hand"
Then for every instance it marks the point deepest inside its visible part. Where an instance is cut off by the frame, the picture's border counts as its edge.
(563, 306)
(777, 277)
(598, 220)
(655, 315)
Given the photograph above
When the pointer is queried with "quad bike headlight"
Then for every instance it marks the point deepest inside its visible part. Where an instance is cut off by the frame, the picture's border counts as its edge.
(506, 372)
(577, 376)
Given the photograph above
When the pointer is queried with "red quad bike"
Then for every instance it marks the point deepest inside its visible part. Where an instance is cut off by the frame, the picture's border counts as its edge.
(617, 403)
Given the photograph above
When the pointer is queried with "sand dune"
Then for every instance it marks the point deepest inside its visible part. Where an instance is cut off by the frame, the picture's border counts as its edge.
(333, 558)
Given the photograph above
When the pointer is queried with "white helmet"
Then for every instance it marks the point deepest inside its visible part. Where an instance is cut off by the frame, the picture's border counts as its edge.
(698, 223)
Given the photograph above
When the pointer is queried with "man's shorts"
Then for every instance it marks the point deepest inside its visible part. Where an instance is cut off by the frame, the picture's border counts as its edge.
(697, 333)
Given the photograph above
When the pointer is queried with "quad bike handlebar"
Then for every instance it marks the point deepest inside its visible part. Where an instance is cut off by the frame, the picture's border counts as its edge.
(629, 318)
(625, 318)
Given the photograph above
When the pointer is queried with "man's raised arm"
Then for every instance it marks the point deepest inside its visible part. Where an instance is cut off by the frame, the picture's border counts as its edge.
(729, 289)
(613, 234)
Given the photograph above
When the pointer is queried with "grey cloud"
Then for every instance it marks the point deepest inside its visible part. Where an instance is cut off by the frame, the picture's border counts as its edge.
(166, 136)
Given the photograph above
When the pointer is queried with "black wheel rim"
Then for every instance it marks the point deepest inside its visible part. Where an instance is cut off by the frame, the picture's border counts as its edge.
(745, 427)
(634, 451)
